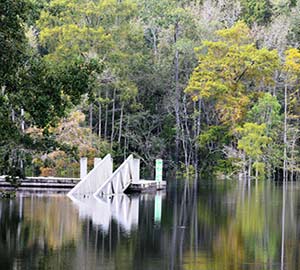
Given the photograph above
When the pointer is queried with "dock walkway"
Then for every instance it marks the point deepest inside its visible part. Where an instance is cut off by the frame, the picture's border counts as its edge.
(43, 182)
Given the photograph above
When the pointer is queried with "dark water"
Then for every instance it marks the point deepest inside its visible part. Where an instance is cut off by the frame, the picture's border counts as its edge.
(224, 225)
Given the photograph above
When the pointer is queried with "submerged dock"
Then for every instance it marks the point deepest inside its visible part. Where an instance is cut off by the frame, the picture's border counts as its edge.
(146, 186)
(68, 183)
(42, 182)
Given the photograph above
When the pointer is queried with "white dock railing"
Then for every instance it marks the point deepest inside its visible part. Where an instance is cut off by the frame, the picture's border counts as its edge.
(95, 178)
(119, 181)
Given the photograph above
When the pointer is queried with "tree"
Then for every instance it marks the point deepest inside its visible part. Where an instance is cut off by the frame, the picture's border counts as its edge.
(253, 142)
(75, 141)
(13, 15)
(228, 69)
(291, 68)
(33, 92)
(230, 73)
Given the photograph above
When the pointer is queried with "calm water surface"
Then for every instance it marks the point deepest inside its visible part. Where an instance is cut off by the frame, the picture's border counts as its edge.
(222, 225)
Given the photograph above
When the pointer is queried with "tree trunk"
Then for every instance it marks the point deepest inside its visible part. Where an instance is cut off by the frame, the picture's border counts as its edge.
(91, 116)
(177, 94)
(256, 176)
(197, 133)
(285, 135)
(154, 42)
(22, 121)
(244, 166)
(99, 119)
(106, 115)
(249, 171)
(186, 137)
(292, 162)
(13, 117)
(113, 119)
(121, 124)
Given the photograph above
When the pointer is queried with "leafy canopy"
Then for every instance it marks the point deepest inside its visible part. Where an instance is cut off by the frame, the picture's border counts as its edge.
(229, 69)
(253, 140)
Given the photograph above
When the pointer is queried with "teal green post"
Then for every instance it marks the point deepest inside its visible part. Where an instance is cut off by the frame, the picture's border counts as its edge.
(158, 170)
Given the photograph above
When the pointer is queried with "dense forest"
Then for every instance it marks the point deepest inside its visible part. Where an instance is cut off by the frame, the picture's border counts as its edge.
(210, 86)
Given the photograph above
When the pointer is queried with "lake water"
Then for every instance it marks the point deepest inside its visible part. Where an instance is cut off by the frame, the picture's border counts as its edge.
(222, 225)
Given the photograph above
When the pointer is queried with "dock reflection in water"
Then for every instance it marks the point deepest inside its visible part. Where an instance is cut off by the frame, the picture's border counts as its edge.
(101, 210)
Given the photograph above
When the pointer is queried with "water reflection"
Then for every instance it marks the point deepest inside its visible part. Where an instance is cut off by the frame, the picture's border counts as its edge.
(101, 210)
(222, 225)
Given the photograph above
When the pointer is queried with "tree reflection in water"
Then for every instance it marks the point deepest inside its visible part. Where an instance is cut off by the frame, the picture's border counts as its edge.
(221, 225)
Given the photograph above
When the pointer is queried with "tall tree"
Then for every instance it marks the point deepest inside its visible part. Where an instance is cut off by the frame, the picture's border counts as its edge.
(230, 73)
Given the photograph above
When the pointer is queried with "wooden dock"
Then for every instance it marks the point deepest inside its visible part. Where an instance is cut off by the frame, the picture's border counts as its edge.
(146, 186)
(68, 183)
(43, 182)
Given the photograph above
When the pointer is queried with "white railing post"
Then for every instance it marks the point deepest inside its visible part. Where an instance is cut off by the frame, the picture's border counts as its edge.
(83, 167)
(135, 170)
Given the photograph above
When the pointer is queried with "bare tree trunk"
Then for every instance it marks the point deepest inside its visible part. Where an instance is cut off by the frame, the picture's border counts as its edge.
(22, 121)
(154, 42)
(113, 119)
(185, 150)
(106, 115)
(293, 163)
(256, 176)
(186, 137)
(13, 116)
(197, 133)
(126, 140)
(249, 170)
(99, 119)
(91, 116)
(121, 124)
(244, 166)
(285, 135)
(177, 94)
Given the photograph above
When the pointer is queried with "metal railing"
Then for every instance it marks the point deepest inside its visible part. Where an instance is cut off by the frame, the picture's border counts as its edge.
(94, 179)
(120, 180)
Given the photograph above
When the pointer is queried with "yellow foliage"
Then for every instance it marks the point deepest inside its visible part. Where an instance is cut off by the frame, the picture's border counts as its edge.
(227, 67)
(45, 171)
(292, 63)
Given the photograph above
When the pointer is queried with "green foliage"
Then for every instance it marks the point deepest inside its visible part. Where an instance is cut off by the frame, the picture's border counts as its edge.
(259, 12)
(266, 110)
(214, 134)
(259, 167)
(13, 14)
(253, 139)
